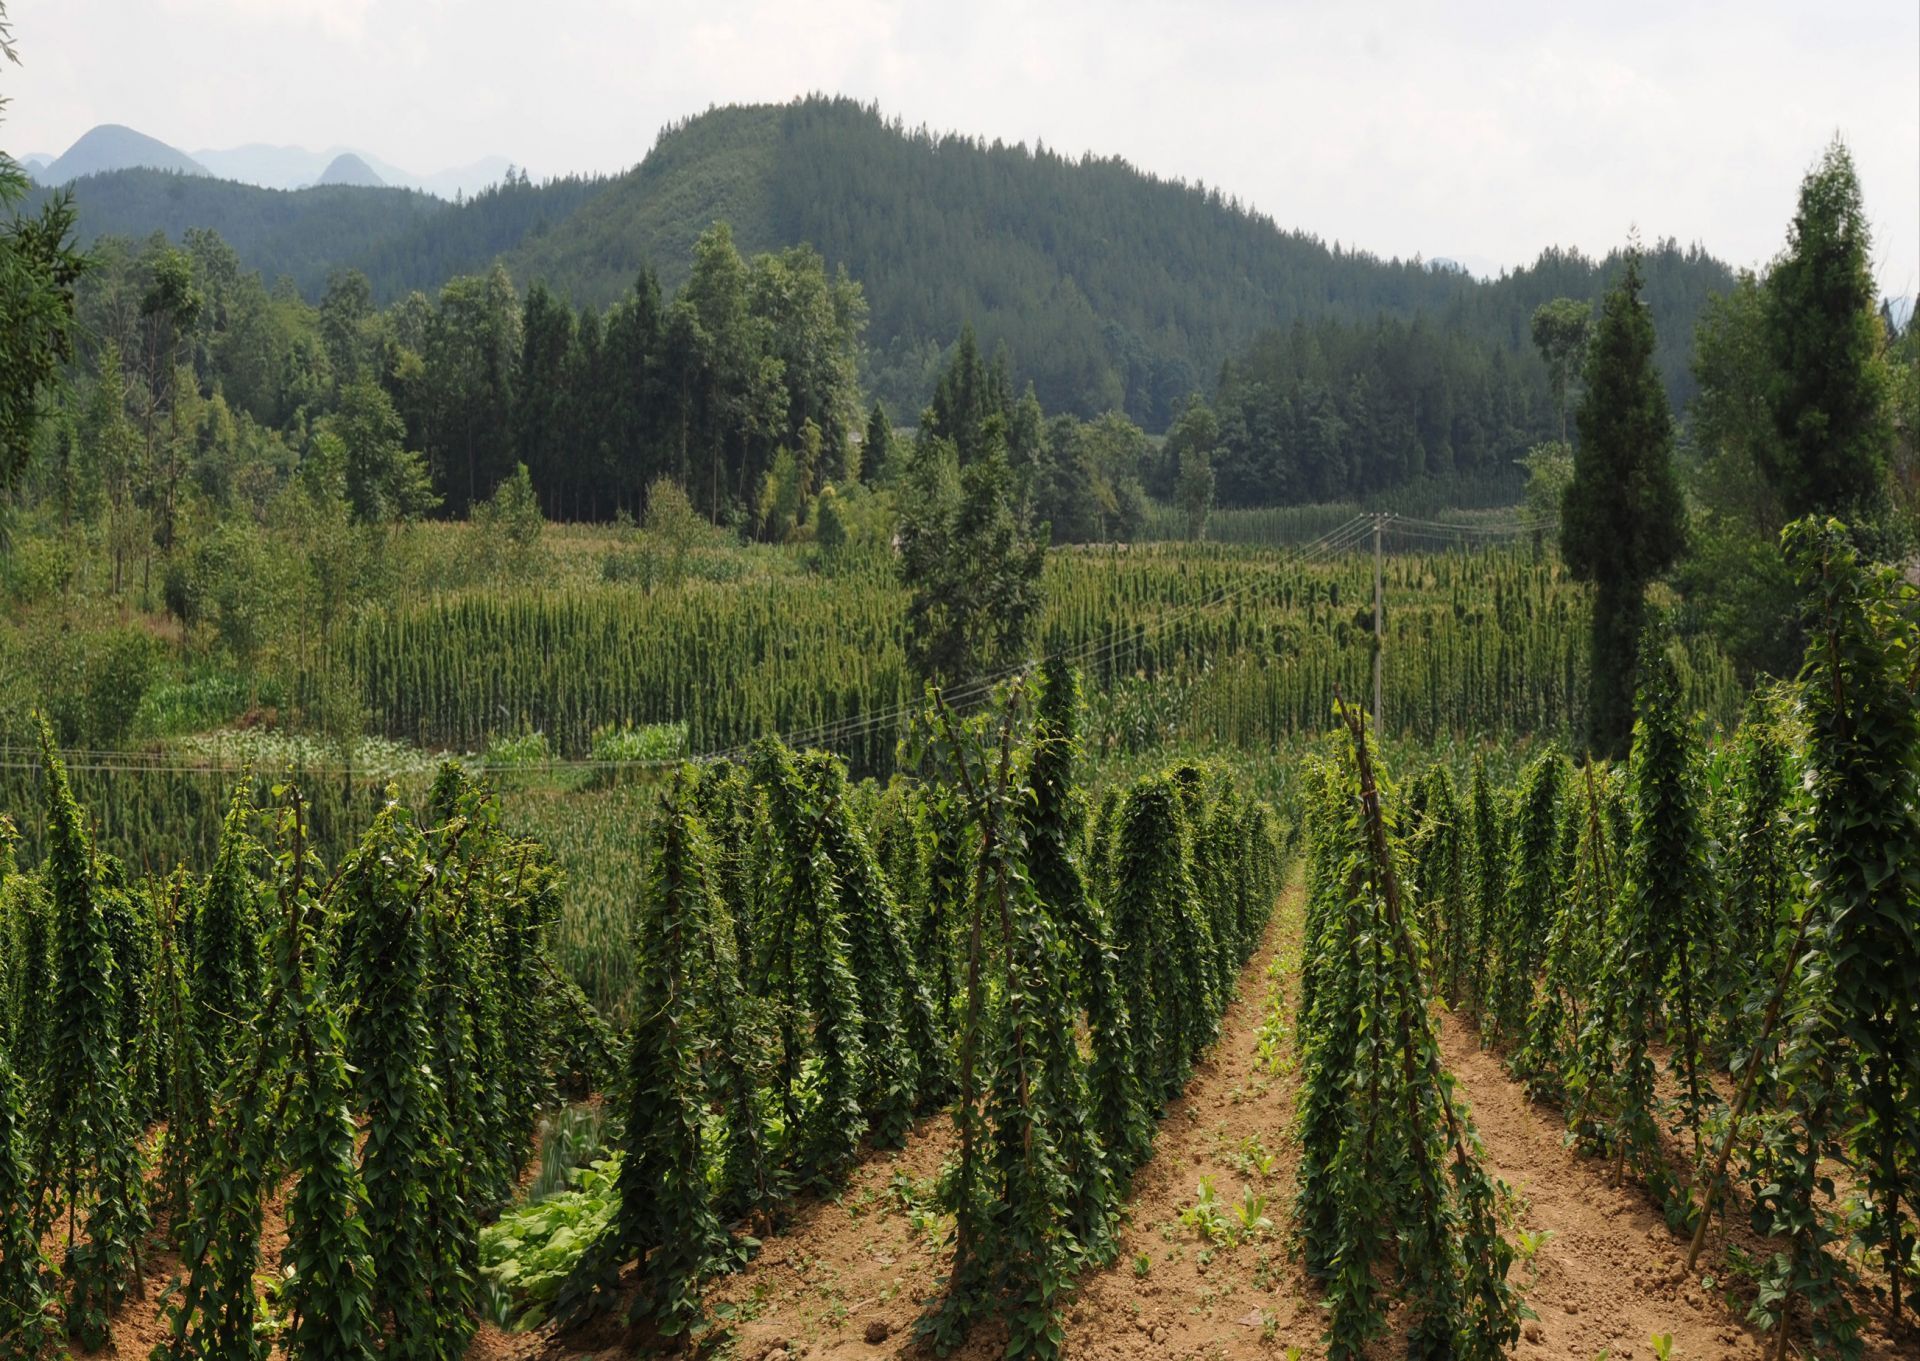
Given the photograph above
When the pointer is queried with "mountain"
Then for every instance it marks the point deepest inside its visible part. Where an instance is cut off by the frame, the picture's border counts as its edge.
(301, 234)
(1108, 287)
(293, 167)
(348, 168)
(113, 147)
(270, 167)
(35, 161)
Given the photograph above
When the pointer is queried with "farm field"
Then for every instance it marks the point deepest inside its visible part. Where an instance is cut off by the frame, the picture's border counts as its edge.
(862, 742)
(827, 1188)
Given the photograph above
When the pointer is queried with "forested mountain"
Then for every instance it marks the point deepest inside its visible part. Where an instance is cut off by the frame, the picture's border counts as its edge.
(1109, 288)
(300, 234)
(113, 147)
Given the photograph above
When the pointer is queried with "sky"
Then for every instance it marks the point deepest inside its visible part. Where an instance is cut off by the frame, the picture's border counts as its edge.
(1479, 131)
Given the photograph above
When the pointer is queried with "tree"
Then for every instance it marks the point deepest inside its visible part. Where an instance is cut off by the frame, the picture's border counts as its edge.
(1549, 472)
(39, 270)
(972, 561)
(972, 405)
(1198, 428)
(345, 311)
(1560, 334)
(1196, 490)
(1828, 387)
(1621, 519)
(876, 450)
(383, 479)
(509, 522)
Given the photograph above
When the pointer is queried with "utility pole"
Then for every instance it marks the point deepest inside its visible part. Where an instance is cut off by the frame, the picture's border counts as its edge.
(1379, 631)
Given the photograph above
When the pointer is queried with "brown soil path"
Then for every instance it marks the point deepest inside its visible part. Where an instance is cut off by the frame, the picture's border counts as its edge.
(864, 1264)
(1173, 1292)
(1610, 1276)
(867, 1259)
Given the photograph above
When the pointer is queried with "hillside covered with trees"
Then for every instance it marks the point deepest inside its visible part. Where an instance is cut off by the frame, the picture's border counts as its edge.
(1110, 289)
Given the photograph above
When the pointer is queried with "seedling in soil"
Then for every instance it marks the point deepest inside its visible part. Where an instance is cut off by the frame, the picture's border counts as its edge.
(1527, 1244)
(1252, 1212)
(1142, 1264)
(1662, 1346)
(1205, 1217)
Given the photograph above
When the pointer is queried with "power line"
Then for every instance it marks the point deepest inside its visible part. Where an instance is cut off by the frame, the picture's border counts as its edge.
(1339, 539)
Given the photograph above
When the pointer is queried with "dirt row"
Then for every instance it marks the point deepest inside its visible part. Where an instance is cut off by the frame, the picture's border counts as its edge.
(1205, 1268)
(849, 1276)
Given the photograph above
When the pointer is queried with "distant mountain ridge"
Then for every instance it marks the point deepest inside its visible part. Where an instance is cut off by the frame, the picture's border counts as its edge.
(1110, 288)
(114, 147)
(347, 168)
(111, 146)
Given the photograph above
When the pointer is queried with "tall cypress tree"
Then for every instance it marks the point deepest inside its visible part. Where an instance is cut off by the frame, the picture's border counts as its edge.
(876, 450)
(1827, 389)
(1621, 520)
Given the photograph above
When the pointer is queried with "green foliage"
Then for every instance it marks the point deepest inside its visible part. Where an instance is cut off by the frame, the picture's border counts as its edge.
(39, 272)
(26, 1321)
(417, 1214)
(972, 564)
(85, 1150)
(1621, 520)
(1559, 329)
(1826, 384)
(1526, 910)
(509, 523)
(1658, 940)
(649, 744)
(1165, 970)
(383, 480)
(665, 1216)
(1864, 779)
(528, 1253)
(1390, 1183)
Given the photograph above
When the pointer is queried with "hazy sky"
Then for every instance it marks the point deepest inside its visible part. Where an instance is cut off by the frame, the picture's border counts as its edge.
(1480, 131)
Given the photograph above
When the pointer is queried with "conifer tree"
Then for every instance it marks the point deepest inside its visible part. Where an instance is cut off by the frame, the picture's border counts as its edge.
(1621, 520)
(1828, 382)
(876, 450)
